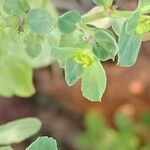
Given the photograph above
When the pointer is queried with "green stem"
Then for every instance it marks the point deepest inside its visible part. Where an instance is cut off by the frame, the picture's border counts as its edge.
(117, 13)
(104, 14)
(96, 16)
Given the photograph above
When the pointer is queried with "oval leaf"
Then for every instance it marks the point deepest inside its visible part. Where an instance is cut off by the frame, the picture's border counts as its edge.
(19, 130)
(67, 22)
(94, 82)
(129, 46)
(106, 40)
(40, 21)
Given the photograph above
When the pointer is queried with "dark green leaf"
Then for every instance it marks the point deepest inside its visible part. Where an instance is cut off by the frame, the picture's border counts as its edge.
(106, 40)
(106, 46)
(67, 22)
(102, 54)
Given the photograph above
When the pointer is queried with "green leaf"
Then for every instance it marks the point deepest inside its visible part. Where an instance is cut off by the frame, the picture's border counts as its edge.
(129, 46)
(40, 21)
(6, 148)
(93, 81)
(106, 40)
(15, 78)
(106, 46)
(19, 130)
(117, 25)
(33, 44)
(16, 7)
(102, 54)
(73, 71)
(43, 143)
(133, 22)
(67, 22)
(106, 3)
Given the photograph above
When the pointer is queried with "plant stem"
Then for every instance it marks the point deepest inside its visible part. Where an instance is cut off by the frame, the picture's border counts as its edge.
(96, 16)
(104, 14)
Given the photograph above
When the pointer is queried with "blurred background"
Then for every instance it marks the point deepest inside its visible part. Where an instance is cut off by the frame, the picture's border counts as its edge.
(120, 122)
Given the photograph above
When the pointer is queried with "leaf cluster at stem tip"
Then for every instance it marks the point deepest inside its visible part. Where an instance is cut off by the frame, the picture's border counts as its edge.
(81, 43)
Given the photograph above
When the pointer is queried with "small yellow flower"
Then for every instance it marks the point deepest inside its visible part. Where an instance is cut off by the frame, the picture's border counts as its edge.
(85, 58)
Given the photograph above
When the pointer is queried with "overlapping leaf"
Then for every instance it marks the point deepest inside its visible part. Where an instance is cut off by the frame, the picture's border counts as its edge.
(43, 143)
(106, 46)
(93, 82)
(19, 130)
(129, 46)
(68, 21)
(40, 21)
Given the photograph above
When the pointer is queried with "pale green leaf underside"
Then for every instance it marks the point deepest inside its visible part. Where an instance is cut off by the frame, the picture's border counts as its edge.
(19, 130)
(43, 143)
(106, 46)
(94, 81)
(106, 40)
